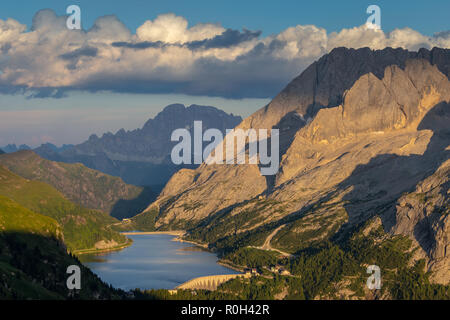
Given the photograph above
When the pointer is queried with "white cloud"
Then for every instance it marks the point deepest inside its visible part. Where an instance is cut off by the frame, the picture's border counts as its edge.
(10, 29)
(167, 55)
(170, 28)
(303, 42)
(108, 29)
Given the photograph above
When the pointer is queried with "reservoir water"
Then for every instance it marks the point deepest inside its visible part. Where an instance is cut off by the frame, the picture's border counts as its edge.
(154, 261)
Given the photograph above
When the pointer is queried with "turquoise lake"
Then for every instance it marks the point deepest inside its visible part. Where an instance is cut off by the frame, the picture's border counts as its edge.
(154, 261)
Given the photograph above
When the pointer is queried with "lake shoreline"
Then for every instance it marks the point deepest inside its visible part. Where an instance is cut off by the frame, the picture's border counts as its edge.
(119, 247)
(228, 265)
(155, 261)
(178, 233)
(201, 245)
(224, 263)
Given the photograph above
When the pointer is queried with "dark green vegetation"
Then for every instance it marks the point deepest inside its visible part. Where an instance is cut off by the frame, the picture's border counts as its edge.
(82, 227)
(253, 258)
(256, 288)
(413, 284)
(146, 221)
(33, 259)
(142, 222)
(81, 185)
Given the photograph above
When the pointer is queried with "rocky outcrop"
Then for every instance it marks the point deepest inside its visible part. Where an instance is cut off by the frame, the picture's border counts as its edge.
(102, 245)
(424, 215)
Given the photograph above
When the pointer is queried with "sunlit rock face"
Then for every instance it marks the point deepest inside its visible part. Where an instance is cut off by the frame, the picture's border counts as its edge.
(360, 130)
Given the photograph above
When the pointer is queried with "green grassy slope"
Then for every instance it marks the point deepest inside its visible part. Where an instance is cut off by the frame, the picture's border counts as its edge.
(81, 185)
(18, 219)
(33, 259)
(82, 227)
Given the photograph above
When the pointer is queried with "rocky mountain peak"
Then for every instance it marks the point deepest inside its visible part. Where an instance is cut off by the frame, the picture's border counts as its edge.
(142, 156)
(324, 82)
(398, 100)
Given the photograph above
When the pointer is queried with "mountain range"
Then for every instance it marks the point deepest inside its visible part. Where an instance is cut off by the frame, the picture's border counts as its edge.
(142, 156)
(364, 144)
(49, 147)
(13, 148)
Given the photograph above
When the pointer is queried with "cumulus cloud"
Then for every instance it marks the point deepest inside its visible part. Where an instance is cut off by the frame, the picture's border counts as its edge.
(170, 28)
(167, 55)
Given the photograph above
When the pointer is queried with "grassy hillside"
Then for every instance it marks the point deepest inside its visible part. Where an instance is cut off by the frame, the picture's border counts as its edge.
(33, 260)
(18, 219)
(82, 228)
(86, 187)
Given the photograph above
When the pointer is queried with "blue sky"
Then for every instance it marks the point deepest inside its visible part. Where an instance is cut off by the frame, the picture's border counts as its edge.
(60, 86)
(268, 16)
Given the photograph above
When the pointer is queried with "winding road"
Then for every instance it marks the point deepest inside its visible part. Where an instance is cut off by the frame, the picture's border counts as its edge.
(267, 246)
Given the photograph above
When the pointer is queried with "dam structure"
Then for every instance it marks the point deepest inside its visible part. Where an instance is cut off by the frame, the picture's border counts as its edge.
(209, 282)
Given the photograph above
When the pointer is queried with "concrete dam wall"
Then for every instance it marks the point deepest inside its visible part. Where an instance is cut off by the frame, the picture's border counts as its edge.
(209, 282)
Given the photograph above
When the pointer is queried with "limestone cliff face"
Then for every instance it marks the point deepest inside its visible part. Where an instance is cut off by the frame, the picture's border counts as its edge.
(324, 82)
(360, 130)
(373, 109)
(424, 215)
(377, 105)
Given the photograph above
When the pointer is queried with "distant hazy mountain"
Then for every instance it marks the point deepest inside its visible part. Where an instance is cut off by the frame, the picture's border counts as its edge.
(50, 149)
(47, 150)
(13, 148)
(142, 156)
(364, 141)
(84, 186)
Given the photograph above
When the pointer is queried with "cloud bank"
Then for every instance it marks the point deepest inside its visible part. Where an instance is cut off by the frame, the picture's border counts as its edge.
(168, 56)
